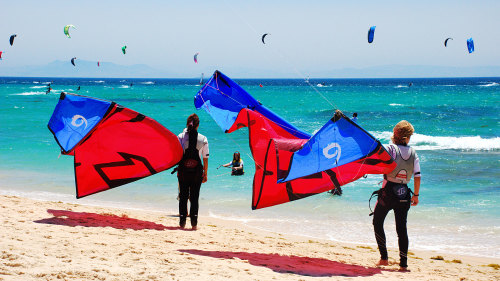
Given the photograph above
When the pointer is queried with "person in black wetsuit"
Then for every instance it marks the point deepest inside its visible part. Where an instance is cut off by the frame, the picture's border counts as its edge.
(395, 194)
(192, 172)
(236, 165)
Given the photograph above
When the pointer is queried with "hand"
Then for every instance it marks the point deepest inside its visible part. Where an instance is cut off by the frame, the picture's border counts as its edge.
(414, 200)
(204, 180)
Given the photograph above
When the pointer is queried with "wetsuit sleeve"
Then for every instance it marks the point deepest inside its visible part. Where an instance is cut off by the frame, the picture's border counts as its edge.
(416, 166)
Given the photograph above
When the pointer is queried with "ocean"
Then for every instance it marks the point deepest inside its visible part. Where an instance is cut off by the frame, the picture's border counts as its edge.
(457, 138)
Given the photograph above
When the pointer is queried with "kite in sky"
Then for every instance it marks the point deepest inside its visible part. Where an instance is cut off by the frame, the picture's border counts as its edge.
(446, 41)
(112, 145)
(371, 34)
(11, 39)
(263, 37)
(66, 30)
(196, 57)
(291, 164)
(470, 45)
(73, 61)
(124, 50)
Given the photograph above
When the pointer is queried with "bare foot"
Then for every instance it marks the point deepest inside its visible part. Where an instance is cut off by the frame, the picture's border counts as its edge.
(403, 269)
(382, 262)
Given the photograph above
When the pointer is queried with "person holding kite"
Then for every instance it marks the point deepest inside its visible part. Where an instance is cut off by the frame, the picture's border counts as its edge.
(395, 194)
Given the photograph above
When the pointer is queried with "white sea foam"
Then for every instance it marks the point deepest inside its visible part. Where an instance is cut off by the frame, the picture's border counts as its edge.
(38, 87)
(401, 86)
(124, 86)
(491, 84)
(396, 104)
(98, 81)
(446, 85)
(29, 94)
(148, 83)
(425, 142)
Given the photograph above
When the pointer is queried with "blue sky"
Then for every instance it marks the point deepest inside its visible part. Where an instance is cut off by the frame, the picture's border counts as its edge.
(306, 37)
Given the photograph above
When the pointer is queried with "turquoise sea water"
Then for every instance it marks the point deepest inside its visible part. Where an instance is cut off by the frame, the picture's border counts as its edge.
(457, 137)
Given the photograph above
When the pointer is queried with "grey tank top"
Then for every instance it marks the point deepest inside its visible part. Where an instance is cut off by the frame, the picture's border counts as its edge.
(404, 169)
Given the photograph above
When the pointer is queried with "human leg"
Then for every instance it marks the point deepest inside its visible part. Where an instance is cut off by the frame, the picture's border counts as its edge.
(194, 194)
(401, 215)
(183, 198)
(379, 215)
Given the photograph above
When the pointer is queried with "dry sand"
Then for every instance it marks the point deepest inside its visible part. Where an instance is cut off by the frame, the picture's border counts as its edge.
(42, 240)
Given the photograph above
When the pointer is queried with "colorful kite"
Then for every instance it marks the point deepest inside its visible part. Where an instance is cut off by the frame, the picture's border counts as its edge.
(371, 34)
(289, 163)
(196, 57)
(66, 30)
(112, 145)
(470, 45)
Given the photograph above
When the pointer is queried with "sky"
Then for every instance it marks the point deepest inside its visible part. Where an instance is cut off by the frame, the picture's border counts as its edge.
(306, 38)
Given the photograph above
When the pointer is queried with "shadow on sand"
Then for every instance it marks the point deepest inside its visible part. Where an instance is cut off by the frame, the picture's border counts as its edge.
(293, 264)
(70, 218)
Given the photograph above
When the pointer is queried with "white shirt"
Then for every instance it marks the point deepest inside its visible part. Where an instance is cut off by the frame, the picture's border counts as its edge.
(201, 143)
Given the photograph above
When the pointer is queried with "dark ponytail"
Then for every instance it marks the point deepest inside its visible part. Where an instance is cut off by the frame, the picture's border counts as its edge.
(191, 124)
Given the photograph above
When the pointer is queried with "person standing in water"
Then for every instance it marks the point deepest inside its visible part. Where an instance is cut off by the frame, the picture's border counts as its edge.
(355, 117)
(395, 194)
(191, 171)
(236, 165)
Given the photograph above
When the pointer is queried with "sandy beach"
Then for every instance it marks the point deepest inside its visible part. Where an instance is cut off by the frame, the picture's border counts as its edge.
(42, 240)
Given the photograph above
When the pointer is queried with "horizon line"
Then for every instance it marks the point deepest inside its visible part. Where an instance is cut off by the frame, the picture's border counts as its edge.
(282, 78)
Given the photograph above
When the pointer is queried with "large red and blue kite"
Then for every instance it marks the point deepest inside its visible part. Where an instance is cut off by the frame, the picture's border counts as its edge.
(289, 163)
(112, 145)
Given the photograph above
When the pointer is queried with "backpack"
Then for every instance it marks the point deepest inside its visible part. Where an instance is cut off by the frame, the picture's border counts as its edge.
(191, 162)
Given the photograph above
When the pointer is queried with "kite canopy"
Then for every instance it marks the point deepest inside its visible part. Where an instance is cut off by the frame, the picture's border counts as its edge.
(196, 57)
(66, 30)
(124, 49)
(11, 39)
(446, 41)
(1, 55)
(112, 145)
(73, 61)
(264, 36)
(470, 45)
(371, 34)
(289, 164)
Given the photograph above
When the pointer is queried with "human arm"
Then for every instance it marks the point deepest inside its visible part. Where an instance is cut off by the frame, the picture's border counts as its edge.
(416, 188)
(205, 169)
(416, 180)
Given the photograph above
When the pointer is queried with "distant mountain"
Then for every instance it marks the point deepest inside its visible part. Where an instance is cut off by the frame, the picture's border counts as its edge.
(85, 68)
